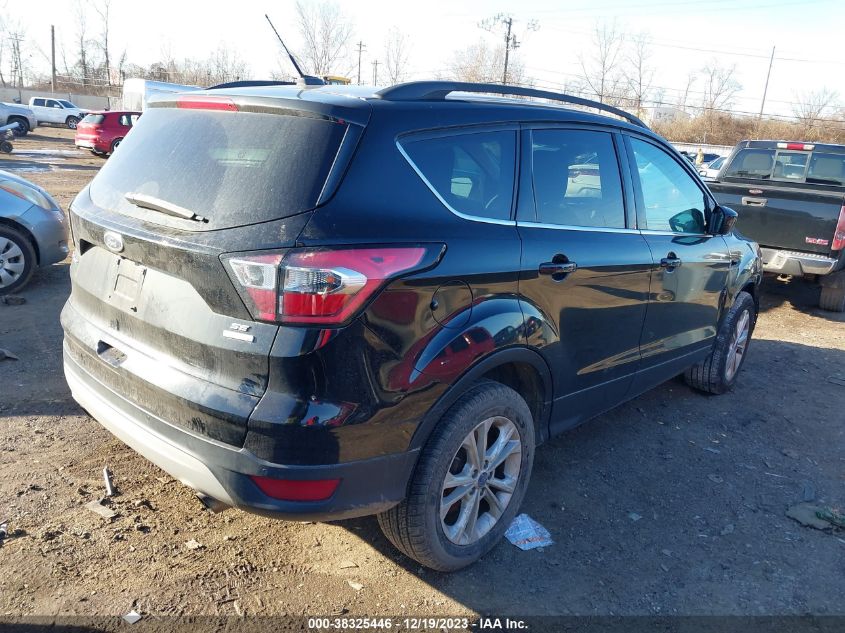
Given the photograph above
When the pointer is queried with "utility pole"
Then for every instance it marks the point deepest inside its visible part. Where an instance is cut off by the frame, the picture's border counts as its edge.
(361, 47)
(766, 88)
(511, 43)
(53, 58)
(375, 72)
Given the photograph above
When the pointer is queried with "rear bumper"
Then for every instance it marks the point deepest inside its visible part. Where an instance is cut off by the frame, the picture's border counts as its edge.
(222, 471)
(796, 263)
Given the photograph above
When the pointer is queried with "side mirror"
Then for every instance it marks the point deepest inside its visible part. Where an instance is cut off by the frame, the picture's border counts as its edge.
(723, 220)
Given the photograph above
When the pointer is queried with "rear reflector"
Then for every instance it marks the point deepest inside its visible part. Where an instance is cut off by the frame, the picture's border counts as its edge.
(839, 232)
(801, 147)
(296, 490)
(206, 103)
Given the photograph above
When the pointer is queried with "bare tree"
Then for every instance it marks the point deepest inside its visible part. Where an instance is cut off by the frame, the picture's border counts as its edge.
(478, 63)
(810, 110)
(325, 33)
(640, 73)
(103, 7)
(225, 65)
(396, 53)
(14, 38)
(720, 86)
(683, 97)
(601, 70)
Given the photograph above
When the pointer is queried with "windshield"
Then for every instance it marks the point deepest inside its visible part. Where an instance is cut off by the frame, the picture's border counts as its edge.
(231, 168)
(67, 104)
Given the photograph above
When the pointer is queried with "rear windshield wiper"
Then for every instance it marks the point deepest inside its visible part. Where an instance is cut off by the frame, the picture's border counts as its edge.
(162, 206)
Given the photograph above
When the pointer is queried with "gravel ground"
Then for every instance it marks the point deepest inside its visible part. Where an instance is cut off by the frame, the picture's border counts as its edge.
(673, 503)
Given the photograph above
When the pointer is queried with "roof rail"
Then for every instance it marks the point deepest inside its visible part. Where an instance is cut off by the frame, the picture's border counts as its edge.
(438, 90)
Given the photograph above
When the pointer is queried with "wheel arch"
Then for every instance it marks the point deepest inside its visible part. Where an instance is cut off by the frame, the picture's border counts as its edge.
(26, 233)
(521, 368)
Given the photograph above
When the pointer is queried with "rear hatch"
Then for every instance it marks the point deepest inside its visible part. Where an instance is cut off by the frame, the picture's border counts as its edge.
(90, 126)
(786, 198)
(153, 313)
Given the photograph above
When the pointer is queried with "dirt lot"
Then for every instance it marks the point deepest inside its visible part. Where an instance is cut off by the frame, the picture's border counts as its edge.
(671, 504)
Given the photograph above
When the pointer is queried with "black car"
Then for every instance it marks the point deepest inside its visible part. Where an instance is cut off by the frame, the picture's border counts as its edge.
(318, 303)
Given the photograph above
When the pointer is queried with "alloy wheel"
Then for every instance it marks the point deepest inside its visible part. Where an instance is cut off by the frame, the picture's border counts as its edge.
(739, 343)
(481, 480)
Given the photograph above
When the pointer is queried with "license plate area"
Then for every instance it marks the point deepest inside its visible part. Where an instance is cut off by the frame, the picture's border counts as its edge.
(128, 279)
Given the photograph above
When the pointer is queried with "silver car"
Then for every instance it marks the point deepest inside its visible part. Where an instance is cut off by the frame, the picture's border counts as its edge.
(33, 231)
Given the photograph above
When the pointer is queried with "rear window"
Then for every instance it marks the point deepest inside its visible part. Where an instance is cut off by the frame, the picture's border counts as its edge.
(94, 119)
(788, 166)
(471, 172)
(232, 168)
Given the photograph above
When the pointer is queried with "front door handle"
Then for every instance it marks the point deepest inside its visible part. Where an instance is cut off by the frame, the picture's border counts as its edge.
(670, 262)
(754, 202)
(558, 269)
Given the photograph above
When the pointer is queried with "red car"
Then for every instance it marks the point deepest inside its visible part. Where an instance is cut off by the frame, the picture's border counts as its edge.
(102, 132)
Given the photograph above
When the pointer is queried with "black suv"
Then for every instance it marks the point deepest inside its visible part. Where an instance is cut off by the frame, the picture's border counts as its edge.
(324, 303)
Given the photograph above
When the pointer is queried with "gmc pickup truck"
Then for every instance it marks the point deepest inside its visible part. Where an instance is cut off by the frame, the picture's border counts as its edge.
(791, 200)
(23, 116)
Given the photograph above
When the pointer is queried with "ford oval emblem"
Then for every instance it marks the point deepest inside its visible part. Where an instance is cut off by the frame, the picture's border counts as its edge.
(113, 241)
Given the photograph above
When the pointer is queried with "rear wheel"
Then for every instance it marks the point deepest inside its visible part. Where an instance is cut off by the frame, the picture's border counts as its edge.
(17, 260)
(72, 122)
(6, 147)
(718, 372)
(469, 482)
(23, 127)
(114, 144)
(832, 299)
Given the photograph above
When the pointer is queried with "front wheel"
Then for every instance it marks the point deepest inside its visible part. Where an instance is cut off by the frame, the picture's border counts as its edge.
(469, 482)
(17, 260)
(72, 122)
(718, 372)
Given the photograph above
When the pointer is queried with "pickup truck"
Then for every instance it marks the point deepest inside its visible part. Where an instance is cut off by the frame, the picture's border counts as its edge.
(56, 111)
(14, 113)
(790, 197)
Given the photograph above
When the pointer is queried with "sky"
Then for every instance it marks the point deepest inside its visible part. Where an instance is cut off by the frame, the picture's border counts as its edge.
(686, 35)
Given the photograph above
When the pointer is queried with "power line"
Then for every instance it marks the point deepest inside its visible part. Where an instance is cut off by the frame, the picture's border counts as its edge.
(511, 43)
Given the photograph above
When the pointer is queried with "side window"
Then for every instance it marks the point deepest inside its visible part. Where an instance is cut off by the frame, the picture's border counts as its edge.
(39, 102)
(576, 178)
(672, 199)
(125, 121)
(473, 173)
(53, 104)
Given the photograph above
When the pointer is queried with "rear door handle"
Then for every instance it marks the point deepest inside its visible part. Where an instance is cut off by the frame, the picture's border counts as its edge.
(670, 262)
(558, 270)
(754, 202)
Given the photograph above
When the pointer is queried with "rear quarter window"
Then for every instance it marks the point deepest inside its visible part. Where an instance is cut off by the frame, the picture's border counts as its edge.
(471, 172)
(232, 168)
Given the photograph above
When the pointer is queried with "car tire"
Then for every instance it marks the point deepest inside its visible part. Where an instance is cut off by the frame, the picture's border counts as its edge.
(6, 147)
(18, 260)
(114, 145)
(425, 526)
(22, 129)
(718, 372)
(832, 299)
(72, 122)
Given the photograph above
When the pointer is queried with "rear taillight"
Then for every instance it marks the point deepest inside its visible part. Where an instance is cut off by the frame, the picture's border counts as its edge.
(206, 103)
(839, 232)
(801, 147)
(321, 287)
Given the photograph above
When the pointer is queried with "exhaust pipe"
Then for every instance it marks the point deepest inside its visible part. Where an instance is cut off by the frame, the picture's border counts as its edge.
(215, 505)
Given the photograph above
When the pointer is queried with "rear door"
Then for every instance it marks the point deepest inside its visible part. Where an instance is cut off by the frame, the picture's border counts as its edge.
(691, 266)
(585, 268)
